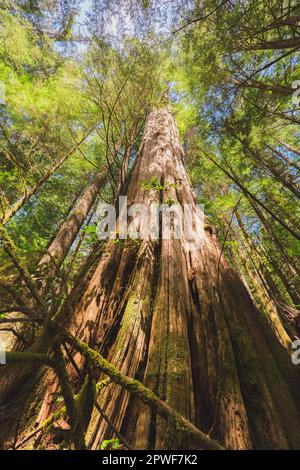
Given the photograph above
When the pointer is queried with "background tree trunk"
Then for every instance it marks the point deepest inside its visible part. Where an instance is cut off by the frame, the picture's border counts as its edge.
(60, 246)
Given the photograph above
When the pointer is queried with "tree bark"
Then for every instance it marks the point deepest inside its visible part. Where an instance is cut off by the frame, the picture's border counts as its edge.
(288, 43)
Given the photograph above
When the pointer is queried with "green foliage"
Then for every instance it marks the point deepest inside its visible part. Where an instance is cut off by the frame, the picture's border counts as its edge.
(90, 231)
(155, 185)
(111, 444)
(170, 201)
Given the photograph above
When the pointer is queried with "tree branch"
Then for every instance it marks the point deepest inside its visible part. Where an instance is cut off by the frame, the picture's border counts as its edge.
(145, 395)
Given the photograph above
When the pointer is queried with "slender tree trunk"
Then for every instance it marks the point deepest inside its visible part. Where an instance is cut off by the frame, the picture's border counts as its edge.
(247, 258)
(251, 197)
(279, 174)
(275, 88)
(291, 148)
(286, 180)
(67, 214)
(287, 43)
(289, 262)
(270, 286)
(284, 157)
(60, 246)
(292, 293)
(181, 321)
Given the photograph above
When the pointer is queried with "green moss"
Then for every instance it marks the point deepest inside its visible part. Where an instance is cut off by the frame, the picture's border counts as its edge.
(84, 402)
(14, 356)
(62, 411)
(54, 417)
(167, 366)
(169, 356)
(102, 384)
(131, 312)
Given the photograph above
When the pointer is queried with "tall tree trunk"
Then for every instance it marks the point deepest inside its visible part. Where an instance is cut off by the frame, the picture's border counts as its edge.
(246, 258)
(182, 322)
(286, 280)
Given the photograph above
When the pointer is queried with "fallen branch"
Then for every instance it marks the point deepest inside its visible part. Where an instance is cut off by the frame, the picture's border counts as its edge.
(57, 415)
(145, 395)
(25, 310)
(133, 386)
(14, 356)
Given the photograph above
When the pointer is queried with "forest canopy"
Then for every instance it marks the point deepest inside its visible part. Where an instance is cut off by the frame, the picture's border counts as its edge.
(146, 344)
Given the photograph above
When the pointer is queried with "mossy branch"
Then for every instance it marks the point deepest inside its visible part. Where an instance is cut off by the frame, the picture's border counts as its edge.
(146, 396)
(14, 356)
(133, 386)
